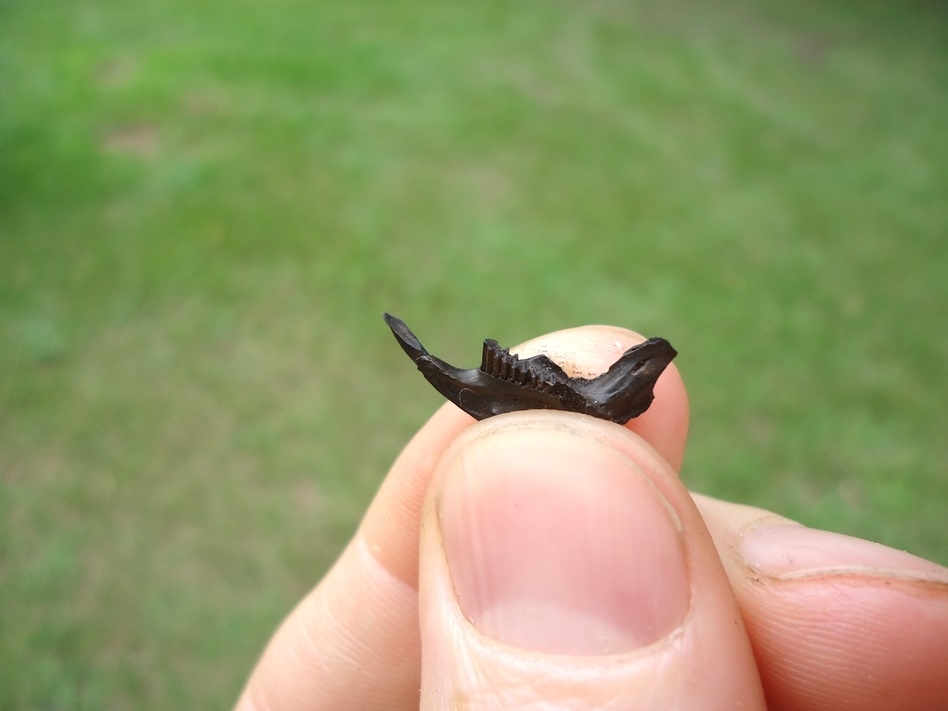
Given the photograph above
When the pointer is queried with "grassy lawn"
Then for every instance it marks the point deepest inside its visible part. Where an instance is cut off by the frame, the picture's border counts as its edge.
(205, 207)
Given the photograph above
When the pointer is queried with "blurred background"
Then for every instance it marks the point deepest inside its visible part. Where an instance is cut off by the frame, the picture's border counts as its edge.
(205, 207)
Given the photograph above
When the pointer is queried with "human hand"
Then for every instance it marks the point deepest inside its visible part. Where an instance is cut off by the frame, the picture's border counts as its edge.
(563, 565)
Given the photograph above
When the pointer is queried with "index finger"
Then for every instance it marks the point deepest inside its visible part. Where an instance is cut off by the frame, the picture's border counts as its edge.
(353, 642)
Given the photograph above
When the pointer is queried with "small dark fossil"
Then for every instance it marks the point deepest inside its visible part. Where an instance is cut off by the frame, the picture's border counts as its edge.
(504, 383)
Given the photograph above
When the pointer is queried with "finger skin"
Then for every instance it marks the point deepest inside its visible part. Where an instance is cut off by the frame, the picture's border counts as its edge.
(353, 642)
(705, 662)
(839, 639)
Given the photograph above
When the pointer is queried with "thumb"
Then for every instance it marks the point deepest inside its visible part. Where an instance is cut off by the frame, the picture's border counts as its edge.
(564, 565)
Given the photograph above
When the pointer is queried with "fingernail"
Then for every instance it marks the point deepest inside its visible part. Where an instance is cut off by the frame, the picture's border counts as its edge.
(557, 543)
(788, 551)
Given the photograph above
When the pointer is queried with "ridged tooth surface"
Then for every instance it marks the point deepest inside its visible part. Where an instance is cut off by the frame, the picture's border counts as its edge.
(503, 365)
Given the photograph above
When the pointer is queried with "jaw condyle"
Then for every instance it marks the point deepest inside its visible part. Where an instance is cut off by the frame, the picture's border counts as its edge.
(505, 383)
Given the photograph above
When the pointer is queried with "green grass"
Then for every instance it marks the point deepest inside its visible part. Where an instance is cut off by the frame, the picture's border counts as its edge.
(205, 207)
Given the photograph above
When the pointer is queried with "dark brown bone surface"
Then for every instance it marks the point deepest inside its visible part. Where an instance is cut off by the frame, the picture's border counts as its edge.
(504, 383)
